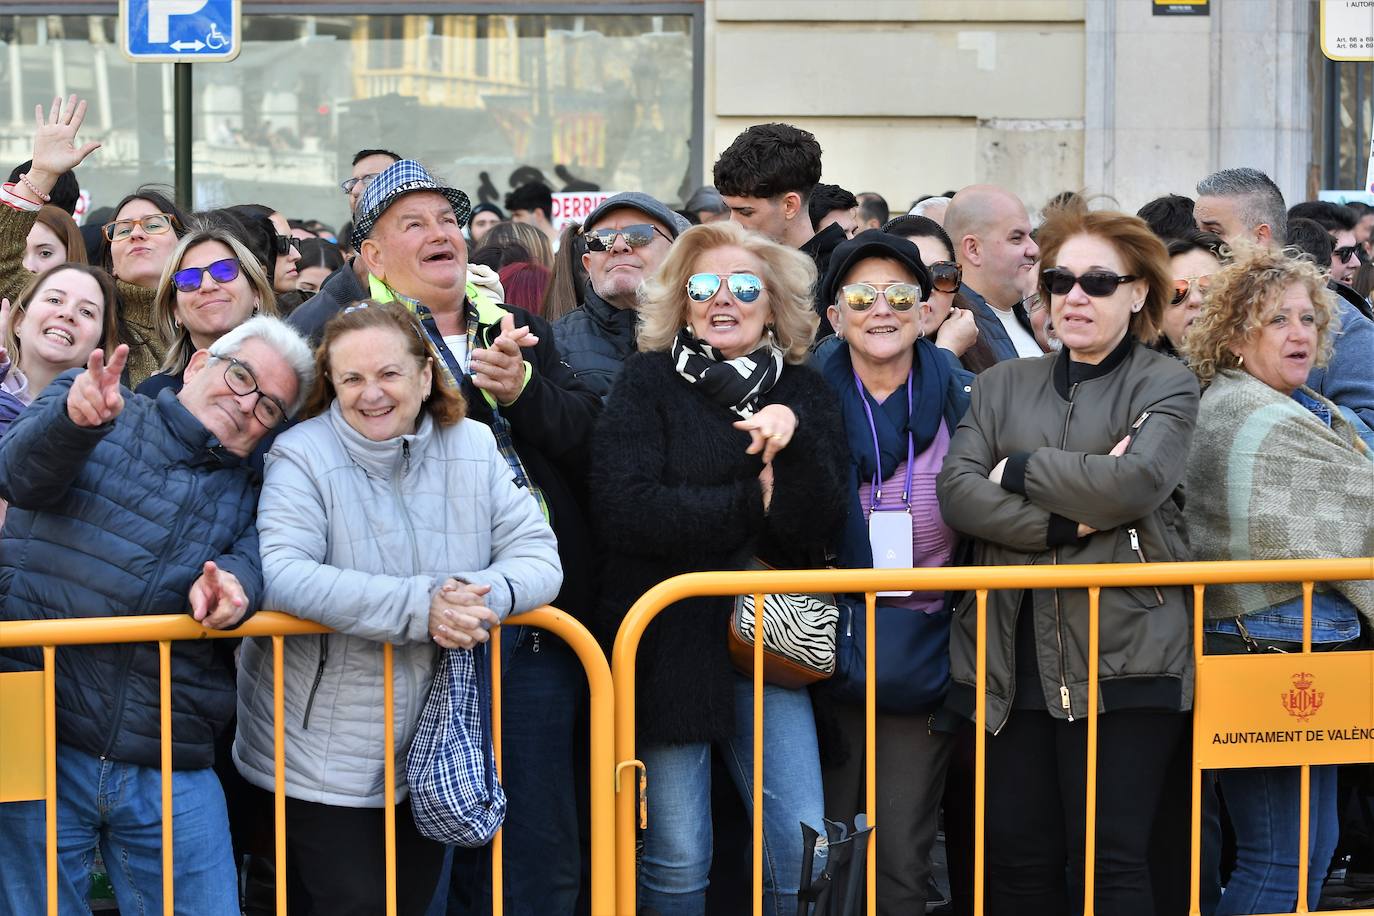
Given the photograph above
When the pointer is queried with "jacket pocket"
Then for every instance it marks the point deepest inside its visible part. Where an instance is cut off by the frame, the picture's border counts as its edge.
(1131, 548)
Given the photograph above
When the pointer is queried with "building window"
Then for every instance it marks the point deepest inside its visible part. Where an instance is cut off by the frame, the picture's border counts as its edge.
(1348, 123)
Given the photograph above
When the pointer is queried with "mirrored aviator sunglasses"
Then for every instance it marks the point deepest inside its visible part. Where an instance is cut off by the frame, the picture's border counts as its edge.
(744, 287)
(946, 276)
(188, 279)
(901, 297)
(1184, 285)
(636, 236)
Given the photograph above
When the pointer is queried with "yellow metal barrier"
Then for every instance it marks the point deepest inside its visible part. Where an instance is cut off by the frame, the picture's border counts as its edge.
(28, 714)
(981, 580)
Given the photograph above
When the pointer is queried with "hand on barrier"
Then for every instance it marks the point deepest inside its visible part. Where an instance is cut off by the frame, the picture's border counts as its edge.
(217, 598)
(54, 143)
(770, 430)
(458, 615)
(500, 368)
(94, 397)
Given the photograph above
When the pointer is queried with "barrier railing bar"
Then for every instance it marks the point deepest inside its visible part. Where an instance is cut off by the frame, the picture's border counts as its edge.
(279, 766)
(1195, 826)
(498, 872)
(1090, 803)
(980, 759)
(871, 748)
(389, 771)
(1305, 779)
(757, 806)
(50, 769)
(164, 679)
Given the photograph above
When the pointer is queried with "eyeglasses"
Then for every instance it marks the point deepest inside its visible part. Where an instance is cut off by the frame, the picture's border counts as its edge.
(946, 276)
(1095, 283)
(189, 279)
(1184, 285)
(703, 287)
(242, 381)
(1346, 252)
(1032, 303)
(348, 184)
(901, 297)
(285, 243)
(636, 236)
(152, 224)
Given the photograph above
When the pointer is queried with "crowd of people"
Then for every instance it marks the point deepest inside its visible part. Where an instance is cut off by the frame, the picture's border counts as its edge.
(441, 416)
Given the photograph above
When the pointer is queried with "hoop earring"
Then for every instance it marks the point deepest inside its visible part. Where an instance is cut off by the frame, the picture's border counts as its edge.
(1240, 361)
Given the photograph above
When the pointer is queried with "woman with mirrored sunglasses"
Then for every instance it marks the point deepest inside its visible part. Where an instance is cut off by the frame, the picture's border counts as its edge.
(901, 396)
(1077, 457)
(716, 446)
(136, 243)
(212, 285)
(948, 318)
(1192, 260)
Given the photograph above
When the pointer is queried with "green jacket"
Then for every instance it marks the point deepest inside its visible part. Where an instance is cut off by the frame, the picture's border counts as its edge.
(1056, 437)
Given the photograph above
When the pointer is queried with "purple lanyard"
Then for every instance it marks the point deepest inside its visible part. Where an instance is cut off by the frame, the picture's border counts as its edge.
(877, 493)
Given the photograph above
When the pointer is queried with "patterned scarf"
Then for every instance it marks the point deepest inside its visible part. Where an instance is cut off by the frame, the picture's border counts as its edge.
(736, 384)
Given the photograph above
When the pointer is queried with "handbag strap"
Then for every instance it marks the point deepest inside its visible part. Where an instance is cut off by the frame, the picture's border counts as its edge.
(481, 676)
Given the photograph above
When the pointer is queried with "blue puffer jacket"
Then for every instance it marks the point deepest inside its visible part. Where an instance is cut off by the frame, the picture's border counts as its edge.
(119, 520)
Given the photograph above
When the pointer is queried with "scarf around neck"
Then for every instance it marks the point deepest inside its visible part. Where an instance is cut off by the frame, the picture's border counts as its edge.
(736, 384)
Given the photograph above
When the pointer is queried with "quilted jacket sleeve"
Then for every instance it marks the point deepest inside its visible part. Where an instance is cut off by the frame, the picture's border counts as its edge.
(291, 528)
(43, 450)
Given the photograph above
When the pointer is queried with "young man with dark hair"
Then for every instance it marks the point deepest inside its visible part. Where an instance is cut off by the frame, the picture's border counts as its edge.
(1170, 216)
(533, 203)
(831, 203)
(1308, 237)
(873, 211)
(1339, 222)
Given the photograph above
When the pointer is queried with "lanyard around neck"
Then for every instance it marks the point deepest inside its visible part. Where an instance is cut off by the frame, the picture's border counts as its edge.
(877, 493)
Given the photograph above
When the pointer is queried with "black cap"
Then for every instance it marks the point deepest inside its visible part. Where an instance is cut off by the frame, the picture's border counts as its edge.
(874, 243)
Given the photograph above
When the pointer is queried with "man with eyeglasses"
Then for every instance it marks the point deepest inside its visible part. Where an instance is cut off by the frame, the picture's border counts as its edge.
(627, 238)
(124, 505)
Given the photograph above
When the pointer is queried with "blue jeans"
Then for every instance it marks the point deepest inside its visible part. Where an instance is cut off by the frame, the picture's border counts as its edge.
(542, 686)
(118, 806)
(674, 870)
(1263, 805)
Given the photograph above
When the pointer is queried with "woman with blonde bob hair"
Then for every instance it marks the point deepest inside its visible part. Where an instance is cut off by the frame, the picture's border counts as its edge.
(212, 284)
(1276, 472)
(716, 446)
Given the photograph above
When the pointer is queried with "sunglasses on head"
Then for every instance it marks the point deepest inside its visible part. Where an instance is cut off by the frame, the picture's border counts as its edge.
(1184, 285)
(744, 287)
(1096, 283)
(152, 224)
(284, 243)
(1346, 252)
(946, 276)
(188, 279)
(636, 236)
(861, 297)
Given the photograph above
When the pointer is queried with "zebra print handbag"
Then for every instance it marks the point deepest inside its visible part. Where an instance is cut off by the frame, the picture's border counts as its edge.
(798, 636)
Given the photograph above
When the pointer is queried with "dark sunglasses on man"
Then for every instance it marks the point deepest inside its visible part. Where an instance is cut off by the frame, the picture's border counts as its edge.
(636, 236)
(1346, 252)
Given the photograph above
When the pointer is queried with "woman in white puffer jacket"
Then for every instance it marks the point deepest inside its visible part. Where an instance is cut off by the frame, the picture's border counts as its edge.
(390, 519)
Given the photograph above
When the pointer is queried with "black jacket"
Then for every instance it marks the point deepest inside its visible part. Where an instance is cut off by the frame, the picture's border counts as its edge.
(818, 249)
(595, 339)
(118, 521)
(673, 492)
(338, 289)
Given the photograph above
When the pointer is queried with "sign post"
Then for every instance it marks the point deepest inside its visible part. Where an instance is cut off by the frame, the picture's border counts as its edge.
(181, 32)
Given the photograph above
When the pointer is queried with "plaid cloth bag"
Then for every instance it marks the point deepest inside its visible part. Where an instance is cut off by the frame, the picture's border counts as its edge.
(451, 768)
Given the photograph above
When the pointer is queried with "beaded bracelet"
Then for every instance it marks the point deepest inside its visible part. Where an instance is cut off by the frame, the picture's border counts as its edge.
(46, 198)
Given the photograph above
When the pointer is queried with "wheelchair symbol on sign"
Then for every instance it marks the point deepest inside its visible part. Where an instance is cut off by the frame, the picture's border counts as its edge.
(215, 39)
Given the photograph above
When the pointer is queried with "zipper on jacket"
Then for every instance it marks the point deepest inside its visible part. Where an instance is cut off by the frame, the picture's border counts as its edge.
(1135, 545)
(319, 676)
(117, 710)
(1065, 702)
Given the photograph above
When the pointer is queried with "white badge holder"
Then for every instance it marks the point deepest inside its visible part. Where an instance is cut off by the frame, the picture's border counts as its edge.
(890, 534)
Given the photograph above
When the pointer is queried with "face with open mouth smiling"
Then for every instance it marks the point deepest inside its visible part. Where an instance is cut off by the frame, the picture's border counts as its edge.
(417, 247)
(733, 327)
(1281, 351)
(63, 321)
(878, 333)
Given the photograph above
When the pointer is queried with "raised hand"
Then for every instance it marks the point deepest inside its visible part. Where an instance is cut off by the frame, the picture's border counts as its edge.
(500, 368)
(55, 151)
(217, 598)
(770, 430)
(94, 398)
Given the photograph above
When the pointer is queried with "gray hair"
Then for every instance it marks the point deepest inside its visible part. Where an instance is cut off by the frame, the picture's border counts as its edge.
(281, 337)
(1261, 199)
(925, 207)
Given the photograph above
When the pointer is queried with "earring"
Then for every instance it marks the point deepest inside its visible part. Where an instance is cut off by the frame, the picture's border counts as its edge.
(1137, 307)
(1240, 361)
(257, 304)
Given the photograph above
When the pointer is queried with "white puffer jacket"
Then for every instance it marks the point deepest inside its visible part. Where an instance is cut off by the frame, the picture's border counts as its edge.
(358, 535)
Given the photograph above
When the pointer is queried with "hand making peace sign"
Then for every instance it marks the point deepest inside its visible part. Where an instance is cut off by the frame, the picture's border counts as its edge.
(94, 398)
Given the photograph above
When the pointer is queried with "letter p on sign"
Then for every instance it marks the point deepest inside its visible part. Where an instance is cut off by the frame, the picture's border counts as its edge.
(160, 13)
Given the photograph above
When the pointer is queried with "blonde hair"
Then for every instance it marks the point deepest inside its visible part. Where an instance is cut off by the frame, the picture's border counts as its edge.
(180, 347)
(1241, 296)
(788, 278)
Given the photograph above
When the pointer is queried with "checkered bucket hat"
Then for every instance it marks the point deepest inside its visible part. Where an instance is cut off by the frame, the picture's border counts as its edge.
(399, 179)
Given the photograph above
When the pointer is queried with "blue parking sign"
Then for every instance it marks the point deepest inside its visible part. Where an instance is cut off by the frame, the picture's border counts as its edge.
(180, 30)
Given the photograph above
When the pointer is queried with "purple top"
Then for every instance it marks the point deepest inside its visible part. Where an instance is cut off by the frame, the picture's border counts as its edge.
(932, 541)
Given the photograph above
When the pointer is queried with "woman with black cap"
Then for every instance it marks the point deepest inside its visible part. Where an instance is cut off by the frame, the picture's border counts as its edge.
(901, 398)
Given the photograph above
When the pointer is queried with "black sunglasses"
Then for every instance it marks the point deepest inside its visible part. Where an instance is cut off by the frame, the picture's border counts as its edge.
(1346, 252)
(636, 236)
(284, 243)
(1095, 283)
(946, 276)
